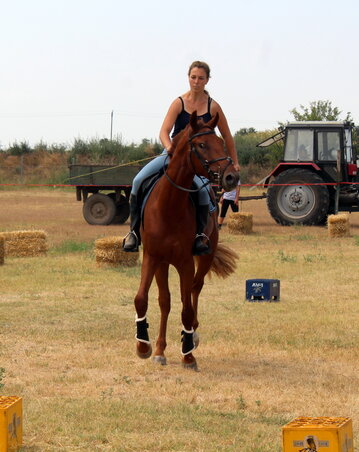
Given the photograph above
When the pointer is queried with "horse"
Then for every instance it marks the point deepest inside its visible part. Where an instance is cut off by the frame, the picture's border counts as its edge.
(168, 230)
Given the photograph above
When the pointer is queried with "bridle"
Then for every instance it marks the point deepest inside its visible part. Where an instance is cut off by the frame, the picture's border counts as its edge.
(204, 162)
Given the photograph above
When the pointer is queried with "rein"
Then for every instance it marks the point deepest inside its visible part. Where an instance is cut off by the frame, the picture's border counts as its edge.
(189, 190)
(204, 162)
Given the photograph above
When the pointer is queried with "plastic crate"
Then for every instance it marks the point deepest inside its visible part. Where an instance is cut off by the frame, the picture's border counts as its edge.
(10, 423)
(262, 289)
(320, 434)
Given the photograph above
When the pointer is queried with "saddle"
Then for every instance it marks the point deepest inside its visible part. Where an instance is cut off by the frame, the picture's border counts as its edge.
(148, 185)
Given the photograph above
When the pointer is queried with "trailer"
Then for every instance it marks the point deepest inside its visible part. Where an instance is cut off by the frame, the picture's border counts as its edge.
(104, 190)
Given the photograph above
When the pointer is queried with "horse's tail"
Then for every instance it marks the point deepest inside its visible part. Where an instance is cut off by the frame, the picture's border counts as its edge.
(224, 261)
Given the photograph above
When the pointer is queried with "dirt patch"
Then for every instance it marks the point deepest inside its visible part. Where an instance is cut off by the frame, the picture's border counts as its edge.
(59, 213)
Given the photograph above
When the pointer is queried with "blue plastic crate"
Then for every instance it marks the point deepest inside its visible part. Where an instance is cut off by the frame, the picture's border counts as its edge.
(262, 289)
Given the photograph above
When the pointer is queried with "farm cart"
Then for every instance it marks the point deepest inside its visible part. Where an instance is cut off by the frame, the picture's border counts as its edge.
(318, 174)
(109, 188)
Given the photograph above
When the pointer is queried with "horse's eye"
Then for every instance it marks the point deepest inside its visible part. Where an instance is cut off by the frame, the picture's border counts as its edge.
(202, 145)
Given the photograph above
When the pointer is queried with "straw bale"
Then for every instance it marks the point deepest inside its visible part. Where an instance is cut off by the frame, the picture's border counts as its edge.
(240, 223)
(338, 225)
(25, 243)
(2, 250)
(108, 252)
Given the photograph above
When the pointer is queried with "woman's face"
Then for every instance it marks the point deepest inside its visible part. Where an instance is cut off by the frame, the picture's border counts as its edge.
(198, 79)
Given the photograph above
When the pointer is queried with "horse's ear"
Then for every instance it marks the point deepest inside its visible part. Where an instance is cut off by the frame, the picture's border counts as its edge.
(193, 121)
(214, 121)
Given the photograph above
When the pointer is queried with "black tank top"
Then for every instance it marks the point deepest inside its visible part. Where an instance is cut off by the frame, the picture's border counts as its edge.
(184, 117)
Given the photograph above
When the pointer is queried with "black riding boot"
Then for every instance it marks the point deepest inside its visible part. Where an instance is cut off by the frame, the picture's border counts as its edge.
(201, 243)
(132, 240)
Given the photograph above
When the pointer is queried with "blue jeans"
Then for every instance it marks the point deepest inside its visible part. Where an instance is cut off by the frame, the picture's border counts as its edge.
(155, 165)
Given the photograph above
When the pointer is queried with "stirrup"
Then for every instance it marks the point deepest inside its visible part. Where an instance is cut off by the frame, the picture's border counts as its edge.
(202, 249)
(133, 245)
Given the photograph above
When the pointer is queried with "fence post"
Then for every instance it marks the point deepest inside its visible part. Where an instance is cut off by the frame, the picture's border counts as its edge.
(337, 190)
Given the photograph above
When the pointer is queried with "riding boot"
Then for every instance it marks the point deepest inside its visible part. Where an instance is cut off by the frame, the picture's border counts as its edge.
(132, 240)
(201, 243)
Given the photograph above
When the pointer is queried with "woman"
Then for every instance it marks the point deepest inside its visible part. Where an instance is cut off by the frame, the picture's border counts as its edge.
(177, 118)
(229, 198)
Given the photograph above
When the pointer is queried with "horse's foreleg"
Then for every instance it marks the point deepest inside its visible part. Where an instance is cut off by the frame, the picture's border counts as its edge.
(186, 279)
(144, 348)
(164, 300)
(204, 264)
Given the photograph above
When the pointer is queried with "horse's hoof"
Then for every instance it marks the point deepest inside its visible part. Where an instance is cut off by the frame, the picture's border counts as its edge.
(196, 339)
(192, 365)
(143, 350)
(158, 359)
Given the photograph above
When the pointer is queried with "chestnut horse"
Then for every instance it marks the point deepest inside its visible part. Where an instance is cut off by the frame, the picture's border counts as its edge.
(168, 230)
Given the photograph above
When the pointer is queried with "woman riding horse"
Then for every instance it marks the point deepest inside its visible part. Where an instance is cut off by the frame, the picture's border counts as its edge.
(167, 230)
(178, 116)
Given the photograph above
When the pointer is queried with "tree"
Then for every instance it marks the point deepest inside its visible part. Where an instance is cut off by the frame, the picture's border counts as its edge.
(246, 141)
(320, 110)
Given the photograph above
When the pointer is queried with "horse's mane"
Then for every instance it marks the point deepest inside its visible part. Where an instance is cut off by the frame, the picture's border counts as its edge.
(177, 140)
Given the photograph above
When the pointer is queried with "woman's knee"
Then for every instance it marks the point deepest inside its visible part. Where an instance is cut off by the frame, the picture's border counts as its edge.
(203, 195)
(147, 171)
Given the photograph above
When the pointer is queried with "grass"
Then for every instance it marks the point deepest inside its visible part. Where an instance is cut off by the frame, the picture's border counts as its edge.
(68, 348)
(72, 246)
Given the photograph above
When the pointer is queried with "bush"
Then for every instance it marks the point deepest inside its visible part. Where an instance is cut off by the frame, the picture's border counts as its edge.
(246, 141)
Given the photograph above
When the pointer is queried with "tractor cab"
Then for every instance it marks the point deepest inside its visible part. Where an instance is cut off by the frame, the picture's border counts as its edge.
(324, 145)
(327, 144)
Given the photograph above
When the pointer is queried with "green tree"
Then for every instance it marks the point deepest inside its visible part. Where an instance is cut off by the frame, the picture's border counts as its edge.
(246, 141)
(320, 110)
(20, 149)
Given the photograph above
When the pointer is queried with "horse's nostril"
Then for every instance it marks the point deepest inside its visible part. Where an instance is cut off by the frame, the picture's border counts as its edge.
(230, 181)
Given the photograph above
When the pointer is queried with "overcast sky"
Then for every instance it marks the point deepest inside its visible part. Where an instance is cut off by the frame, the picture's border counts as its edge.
(66, 64)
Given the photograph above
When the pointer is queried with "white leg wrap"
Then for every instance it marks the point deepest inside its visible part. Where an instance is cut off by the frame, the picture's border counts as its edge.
(188, 331)
(140, 320)
(142, 340)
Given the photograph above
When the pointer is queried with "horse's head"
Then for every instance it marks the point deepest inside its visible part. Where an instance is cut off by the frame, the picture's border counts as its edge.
(207, 153)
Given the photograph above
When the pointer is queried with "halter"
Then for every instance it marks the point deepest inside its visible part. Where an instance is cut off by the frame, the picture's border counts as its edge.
(205, 163)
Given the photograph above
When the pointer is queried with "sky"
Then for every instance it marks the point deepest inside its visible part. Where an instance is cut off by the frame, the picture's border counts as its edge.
(65, 65)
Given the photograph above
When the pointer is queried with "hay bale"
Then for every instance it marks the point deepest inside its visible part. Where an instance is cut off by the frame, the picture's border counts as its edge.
(25, 243)
(2, 250)
(338, 225)
(240, 223)
(108, 251)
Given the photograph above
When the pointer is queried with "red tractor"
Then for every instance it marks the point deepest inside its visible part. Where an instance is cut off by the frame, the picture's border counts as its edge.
(318, 174)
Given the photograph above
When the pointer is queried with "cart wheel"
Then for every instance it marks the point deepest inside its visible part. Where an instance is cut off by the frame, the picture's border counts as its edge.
(99, 209)
(122, 208)
(123, 211)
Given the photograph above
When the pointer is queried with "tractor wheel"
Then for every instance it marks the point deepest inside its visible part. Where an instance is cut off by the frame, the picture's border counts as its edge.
(99, 209)
(298, 202)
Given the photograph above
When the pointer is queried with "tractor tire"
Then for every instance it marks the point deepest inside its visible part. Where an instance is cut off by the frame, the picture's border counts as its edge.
(297, 202)
(99, 209)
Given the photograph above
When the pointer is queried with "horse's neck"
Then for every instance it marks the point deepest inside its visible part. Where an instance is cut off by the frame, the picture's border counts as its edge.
(180, 170)
(180, 174)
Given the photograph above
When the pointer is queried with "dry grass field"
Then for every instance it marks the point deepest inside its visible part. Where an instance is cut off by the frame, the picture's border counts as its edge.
(67, 342)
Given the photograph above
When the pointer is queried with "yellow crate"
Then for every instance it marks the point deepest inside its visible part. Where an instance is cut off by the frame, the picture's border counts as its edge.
(319, 434)
(10, 423)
